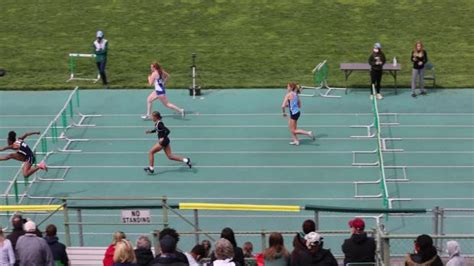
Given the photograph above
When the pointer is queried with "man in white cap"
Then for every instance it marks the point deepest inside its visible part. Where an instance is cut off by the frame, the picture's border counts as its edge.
(100, 47)
(33, 250)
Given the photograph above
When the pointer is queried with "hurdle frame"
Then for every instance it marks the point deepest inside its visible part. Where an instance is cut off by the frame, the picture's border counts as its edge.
(72, 66)
(321, 83)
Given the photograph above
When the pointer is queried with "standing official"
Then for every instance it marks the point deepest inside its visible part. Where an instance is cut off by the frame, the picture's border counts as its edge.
(100, 50)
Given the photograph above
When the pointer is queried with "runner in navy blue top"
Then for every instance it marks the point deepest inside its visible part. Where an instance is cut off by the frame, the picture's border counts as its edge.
(292, 101)
(163, 144)
(23, 153)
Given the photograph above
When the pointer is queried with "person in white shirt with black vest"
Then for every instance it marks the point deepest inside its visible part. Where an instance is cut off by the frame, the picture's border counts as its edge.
(100, 47)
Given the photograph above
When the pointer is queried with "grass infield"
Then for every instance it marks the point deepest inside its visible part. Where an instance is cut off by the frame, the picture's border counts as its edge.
(245, 43)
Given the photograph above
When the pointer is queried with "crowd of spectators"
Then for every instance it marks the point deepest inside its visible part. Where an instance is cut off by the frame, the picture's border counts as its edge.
(26, 246)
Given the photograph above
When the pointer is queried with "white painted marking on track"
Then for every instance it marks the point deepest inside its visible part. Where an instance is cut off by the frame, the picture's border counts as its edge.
(259, 166)
(253, 126)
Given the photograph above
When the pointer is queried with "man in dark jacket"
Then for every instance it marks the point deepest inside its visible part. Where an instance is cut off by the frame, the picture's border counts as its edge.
(168, 254)
(358, 248)
(425, 253)
(58, 249)
(313, 254)
(143, 251)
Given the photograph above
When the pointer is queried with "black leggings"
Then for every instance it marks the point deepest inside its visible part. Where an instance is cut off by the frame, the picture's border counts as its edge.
(376, 78)
(101, 67)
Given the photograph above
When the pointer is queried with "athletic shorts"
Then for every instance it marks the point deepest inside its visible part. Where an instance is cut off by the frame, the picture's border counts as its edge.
(295, 116)
(28, 158)
(165, 142)
(159, 93)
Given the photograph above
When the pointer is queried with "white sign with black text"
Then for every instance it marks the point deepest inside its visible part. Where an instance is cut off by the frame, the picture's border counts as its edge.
(136, 217)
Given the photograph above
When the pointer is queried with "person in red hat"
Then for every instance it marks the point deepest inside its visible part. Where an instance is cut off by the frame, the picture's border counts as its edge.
(359, 247)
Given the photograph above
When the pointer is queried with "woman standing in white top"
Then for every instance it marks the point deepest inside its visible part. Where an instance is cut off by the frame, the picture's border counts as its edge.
(7, 257)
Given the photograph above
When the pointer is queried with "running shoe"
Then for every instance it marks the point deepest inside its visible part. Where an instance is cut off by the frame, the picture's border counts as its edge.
(188, 163)
(413, 95)
(149, 171)
(183, 113)
(379, 96)
(311, 135)
(423, 93)
(42, 165)
(146, 117)
(296, 143)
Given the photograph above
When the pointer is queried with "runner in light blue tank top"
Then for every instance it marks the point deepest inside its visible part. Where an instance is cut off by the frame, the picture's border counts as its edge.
(293, 104)
(292, 101)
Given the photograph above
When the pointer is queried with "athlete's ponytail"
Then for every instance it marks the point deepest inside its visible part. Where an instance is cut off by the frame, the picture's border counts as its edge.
(294, 87)
(158, 68)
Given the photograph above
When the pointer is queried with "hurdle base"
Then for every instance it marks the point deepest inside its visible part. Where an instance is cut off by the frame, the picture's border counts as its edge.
(191, 92)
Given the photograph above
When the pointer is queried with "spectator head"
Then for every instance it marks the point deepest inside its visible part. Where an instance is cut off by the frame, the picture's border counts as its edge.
(207, 247)
(224, 249)
(169, 232)
(198, 252)
(423, 242)
(2, 236)
(308, 226)
(51, 230)
(276, 247)
(17, 222)
(117, 237)
(247, 249)
(377, 47)
(124, 252)
(143, 242)
(453, 248)
(29, 227)
(357, 225)
(424, 247)
(99, 34)
(168, 244)
(314, 241)
(228, 234)
(418, 46)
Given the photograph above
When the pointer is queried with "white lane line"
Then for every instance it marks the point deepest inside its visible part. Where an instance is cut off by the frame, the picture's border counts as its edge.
(254, 114)
(259, 166)
(259, 152)
(240, 182)
(249, 126)
(269, 139)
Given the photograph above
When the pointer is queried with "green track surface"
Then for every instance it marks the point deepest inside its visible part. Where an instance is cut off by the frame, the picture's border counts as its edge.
(243, 43)
(238, 142)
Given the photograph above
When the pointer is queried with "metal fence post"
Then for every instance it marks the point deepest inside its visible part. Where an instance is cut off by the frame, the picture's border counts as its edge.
(435, 224)
(156, 241)
(67, 230)
(196, 225)
(164, 208)
(79, 225)
(263, 239)
(386, 250)
(316, 219)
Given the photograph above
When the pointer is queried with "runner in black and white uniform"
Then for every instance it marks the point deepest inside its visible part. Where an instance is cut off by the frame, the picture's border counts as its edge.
(158, 78)
(23, 153)
(163, 144)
